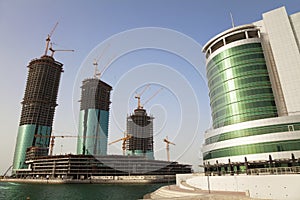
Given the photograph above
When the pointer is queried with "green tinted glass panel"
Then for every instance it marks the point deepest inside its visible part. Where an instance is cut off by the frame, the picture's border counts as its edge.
(148, 154)
(240, 89)
(93, 132)
(26, 139)
(267, 147)
(253, 131)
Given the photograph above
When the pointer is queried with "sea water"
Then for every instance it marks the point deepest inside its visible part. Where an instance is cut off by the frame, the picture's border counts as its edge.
(21, 191)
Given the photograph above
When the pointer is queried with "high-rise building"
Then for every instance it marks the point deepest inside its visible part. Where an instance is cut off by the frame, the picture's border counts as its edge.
(253, 75)
(93, 117)
(38, 107)
(140, 127)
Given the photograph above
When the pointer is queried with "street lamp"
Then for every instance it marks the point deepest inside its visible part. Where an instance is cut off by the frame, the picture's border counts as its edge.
(208, 183)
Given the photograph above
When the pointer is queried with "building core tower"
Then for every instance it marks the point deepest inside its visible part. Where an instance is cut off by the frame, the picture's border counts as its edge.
(93, 117)
(253, 78)
(140, 127)
(38, 107)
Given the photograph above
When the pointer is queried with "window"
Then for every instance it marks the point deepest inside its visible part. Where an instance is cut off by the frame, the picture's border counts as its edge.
(291, 127)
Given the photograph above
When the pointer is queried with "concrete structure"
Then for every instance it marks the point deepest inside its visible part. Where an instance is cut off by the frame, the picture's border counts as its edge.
(93, 117)
(253, 76)
(38, 107)
(261, 187)
(140, 127)
(99, 167)
(178, 193)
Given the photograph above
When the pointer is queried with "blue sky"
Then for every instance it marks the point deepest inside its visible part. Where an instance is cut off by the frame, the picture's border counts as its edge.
(181, 110)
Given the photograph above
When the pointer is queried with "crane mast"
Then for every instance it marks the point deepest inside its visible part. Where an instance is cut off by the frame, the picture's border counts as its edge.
(124, 139)
(168, 142)
(138, 96)
(48, 39)
(97, 74)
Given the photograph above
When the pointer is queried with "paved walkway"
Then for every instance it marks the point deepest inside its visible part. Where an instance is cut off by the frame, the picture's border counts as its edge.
(175, 192)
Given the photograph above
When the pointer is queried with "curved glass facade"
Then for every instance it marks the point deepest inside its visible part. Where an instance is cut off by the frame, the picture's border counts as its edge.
(93, 117)
(252, 80)
(240, 89)
(266, 147)
(26, 139)
(253, 131)
(93, 132)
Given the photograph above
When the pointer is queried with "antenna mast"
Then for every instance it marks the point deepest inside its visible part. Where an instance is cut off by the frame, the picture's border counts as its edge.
(232, 22)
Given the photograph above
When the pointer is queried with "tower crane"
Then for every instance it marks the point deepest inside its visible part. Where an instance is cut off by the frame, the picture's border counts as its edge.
(97, 74)
(124, 139)
(54, 50)
(48, 39)
(138, 96)
(158, 91)
(168, 142)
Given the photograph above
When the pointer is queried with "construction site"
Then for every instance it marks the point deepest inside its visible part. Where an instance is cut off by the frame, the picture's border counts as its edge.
(34, 159)
(82, 167)
(38, 106)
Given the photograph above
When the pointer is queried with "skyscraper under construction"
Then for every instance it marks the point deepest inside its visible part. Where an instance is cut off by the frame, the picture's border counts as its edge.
(38, 107)
(140, 127)
(93, 117)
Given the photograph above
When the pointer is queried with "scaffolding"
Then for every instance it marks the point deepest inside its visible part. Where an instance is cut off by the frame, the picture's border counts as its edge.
(38, 107)
(94, 117)
(39, 102)
(140, 127)
(76, 166)
(95, 94)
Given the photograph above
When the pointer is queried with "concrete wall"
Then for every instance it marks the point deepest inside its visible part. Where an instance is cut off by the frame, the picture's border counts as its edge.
(263, 186)
(284, 44)
(183, 177)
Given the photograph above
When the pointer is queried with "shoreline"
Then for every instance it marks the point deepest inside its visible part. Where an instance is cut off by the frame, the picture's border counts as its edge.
(114, 180)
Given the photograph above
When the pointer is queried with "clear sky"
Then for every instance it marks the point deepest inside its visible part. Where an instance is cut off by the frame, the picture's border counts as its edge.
(156, 42)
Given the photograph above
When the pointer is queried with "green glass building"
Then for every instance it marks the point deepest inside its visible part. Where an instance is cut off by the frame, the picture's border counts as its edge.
(240, 88)
(254, 95)
(38, 107)
(93, 117)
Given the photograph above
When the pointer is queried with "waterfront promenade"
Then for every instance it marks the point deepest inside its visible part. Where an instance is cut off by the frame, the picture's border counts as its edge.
(261, 186)
(176, 192)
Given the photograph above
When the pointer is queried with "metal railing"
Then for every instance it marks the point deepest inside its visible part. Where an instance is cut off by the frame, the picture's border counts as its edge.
(274, 171)
(258, 171)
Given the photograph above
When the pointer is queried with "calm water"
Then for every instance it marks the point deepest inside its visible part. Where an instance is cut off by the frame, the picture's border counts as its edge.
(18, 191)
